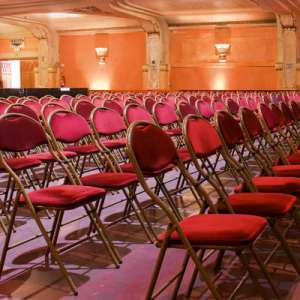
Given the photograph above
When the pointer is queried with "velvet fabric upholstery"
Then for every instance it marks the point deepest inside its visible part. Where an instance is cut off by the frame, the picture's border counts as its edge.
(115, 143)
(48, 157)
(252, 123)
(165, 114)
(278, 115)
(20, 133)
(260, 204)
(230, 128)
(64, 196)
(22, 163)
(22, 109)
(296, 109)
(264, 184)
(203, 137)
(269, 117)
(220, 229)
(113, 105)
(287, 113)
(287, 170)
(108, 122)
(69, 127)
(82, 149)
(233, 107)
(137, 113)
(84, 108)
(153, 149)
(110, 180)
(205, 109)
(186, 109)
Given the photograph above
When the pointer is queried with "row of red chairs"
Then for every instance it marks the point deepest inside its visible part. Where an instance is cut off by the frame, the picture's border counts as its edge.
(152, 154)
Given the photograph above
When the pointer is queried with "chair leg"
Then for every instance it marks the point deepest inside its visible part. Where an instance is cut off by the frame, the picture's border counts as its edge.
(180, 278)
(90, 209)
(8, 236)
(140, 213)
(245, 263)
(53, 250)
(265, 272)
(156, 271)
(194, 276)
(285, 246)
(55, 230)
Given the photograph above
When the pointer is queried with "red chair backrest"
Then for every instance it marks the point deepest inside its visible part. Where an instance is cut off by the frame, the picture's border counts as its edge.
(84, 108)
(107, 121)
(204, 109)
(202, 136)
(114, 106)
(19, 132)
(251, 123)
(153, 149)
(185, 109)
(287, 113)
(68, 127)
(135, 113)
(164, 113)
(233, 107)
(149, 103)
(13, 99)
(252, 104)
(269, 117)
(278, 114)
(230, 129)
(22, 109)
(66, 98)
(34, 105)
(296, 109)
(3, 107)
(48, 108)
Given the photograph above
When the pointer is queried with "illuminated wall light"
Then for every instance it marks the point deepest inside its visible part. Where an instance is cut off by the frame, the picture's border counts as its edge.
(222, 50)
(101, 54)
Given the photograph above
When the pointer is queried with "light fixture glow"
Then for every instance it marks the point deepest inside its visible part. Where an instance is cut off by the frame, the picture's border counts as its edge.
(222, 50)
(101, 54)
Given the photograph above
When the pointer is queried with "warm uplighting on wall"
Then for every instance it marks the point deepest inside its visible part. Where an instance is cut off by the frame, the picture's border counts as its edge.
(101, 54)
(100, 84)
(222, 50)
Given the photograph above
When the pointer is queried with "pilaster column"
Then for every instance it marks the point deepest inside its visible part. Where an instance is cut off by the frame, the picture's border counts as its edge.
(287, 53)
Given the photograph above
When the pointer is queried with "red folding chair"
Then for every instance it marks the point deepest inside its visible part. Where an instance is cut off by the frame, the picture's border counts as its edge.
(194, 233)
(21, 133)
(69, 127)
(114, 106)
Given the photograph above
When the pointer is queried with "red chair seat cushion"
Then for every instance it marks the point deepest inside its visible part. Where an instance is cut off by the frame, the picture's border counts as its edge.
(219, 229)
(48, 157)
(261, 204)
(64, 196)
(127, 168)
(294, 158)
(115, 144)
(184, 155)
(173, 131)
(287, 170)
(110, 180)
(264, 184)
(82, 149)
(22, 163)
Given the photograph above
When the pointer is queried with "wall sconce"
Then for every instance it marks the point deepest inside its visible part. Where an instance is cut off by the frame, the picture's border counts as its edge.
(17, 44)
(101, 54)
(222, 50)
